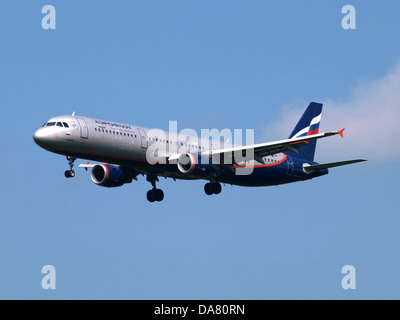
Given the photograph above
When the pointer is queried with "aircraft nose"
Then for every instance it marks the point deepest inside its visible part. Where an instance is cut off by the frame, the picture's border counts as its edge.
(40, 137)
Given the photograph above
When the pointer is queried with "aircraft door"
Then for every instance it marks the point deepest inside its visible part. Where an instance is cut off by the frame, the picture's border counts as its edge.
(84, 128)
(143, 139)
(290, 165)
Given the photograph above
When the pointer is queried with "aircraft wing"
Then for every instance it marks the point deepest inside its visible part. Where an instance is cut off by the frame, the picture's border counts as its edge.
(87, 166)
(266, 149)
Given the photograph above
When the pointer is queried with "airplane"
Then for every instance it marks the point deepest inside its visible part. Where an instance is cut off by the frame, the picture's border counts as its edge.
(122, 151)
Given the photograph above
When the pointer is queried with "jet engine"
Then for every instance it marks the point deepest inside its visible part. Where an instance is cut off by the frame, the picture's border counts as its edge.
(194, 165)
(106, 175)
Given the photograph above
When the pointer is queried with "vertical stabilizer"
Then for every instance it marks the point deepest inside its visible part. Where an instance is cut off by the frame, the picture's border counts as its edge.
(308, 125)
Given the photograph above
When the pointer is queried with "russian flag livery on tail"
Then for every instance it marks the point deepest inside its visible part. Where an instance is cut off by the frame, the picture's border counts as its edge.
(308, 125)
(122, 151)
(309, 122)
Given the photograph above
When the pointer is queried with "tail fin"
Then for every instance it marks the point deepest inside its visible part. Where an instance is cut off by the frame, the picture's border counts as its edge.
(308, 125)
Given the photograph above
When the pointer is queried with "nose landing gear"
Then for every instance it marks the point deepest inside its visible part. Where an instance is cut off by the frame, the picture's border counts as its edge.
(70, 173)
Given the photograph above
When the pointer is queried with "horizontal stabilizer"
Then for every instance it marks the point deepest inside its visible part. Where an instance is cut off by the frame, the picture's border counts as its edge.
(310, 168)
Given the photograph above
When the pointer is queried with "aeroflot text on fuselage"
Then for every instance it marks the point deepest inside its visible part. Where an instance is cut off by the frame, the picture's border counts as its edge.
(126, 152)
(113, 124)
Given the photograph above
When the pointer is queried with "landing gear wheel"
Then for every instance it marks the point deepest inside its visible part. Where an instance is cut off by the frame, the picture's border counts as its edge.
(216, 188)
(212, 188)
(208, 189)
(69, 173)
(158, 195)
(150, 196)
(155, 195)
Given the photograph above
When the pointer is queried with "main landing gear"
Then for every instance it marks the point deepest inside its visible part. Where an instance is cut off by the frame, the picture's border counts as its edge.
(154, 194)
(70, 173)
(212, 188)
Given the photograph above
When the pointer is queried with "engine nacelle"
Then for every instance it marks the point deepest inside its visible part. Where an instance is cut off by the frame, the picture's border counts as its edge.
(193, 165)
(106, 175)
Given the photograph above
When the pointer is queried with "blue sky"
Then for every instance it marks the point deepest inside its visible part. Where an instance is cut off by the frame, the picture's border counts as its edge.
(206, 64)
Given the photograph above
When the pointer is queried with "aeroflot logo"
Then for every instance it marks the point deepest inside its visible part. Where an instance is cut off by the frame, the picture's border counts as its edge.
(117, 125)
(160, 147)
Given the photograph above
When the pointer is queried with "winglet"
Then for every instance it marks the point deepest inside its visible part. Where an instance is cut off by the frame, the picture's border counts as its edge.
(86, 167)
(341, 132)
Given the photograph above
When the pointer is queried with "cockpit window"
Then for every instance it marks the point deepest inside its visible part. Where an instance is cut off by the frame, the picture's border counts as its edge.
(65, 124)
(50, 124)
(59, 124)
